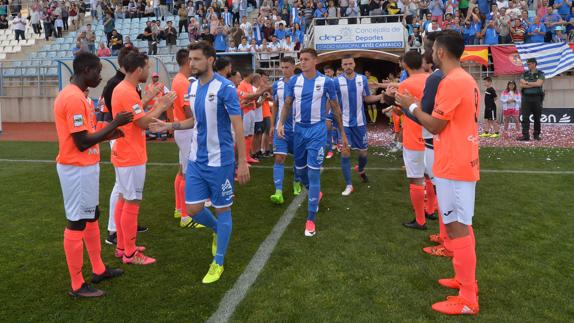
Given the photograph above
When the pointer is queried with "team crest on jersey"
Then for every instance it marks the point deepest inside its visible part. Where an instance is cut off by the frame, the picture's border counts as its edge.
(211, 97)
(137, 109)
(318, 87)
(78, 120)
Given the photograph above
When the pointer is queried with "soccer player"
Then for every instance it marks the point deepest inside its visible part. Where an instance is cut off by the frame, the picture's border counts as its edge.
(180, 85)
(79, 172)
(413, 144)
(352, 92)
(262, 86)
(155, 83)
(454, 122)
(107, 95)
(308, 95)
(129, 155)
(210, 173)
(332, 134)
(282, 146)
(427, 105)
(248, 97)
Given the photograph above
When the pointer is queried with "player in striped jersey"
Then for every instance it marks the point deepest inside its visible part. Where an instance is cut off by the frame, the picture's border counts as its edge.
(210, 172)
(353, 91)
(282, 146)
(308, 94)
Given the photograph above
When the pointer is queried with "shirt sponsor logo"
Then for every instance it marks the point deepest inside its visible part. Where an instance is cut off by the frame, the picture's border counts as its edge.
(137, 109)
(78, 120)
(226, 188)
(211, 97)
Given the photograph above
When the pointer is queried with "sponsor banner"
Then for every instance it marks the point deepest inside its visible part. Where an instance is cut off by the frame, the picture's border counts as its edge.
(555, 115)
(371, 36)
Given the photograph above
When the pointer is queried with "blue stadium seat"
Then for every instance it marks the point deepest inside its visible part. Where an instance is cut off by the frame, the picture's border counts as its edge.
(52, 71)
(31, 72)
(52, 55)
(40, 54)
(27, 63)
(16, 63)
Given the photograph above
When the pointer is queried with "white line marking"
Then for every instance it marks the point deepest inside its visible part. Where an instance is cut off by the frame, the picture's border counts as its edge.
(384, 169)
(236, 294)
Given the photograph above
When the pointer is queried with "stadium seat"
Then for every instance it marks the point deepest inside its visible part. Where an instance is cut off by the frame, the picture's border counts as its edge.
(52, 71)
(52, 55)
(27, 63)
(4, 43)
(41, 54)
(14, 42)
(31, 72)
(16, 63)
(2, 56)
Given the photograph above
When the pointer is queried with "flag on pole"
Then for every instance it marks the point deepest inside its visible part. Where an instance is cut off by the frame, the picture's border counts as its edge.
(477, 54)
(552, 58)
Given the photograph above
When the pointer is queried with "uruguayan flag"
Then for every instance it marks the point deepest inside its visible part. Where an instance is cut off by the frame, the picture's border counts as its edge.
(552, 58)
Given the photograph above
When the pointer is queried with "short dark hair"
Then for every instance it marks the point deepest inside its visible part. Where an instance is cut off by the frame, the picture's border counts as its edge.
(85, 61)
(413, 59)
(261, 72)
(432, 35)
(452, 42)
(234, 72)
(182, 57)
(134, 60)
(221, 63)
(488, 79)
(328, 67)
(122, 54)
(288, 59)
(309, 51)
(532, 60)
(346, 56)
(204, 47)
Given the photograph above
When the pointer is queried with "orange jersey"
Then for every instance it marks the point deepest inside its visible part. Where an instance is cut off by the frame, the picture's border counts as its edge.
(412, 131)
(147, 89)
(180, 85)
(243, 90)
(266, 109)
(129, 150)
(456, 146)
(73, 113)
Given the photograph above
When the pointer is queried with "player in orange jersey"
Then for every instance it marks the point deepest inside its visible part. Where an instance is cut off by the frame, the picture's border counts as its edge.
(79, 172)
(129, 155)
(148, 90)
(454, 122)
(413, 144)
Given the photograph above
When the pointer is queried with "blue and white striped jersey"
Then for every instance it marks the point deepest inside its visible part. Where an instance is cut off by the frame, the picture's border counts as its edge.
(310, 97)
(351, 93)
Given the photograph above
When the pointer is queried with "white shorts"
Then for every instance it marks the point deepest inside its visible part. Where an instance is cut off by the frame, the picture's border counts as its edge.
(259, 114)
(455, 200)
(249, 123)
(131, 181)
(81, 190)
(414, 163)
(183, 140)
(429, 161)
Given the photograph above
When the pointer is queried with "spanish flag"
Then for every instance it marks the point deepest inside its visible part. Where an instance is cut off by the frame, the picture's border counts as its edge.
(477, 54)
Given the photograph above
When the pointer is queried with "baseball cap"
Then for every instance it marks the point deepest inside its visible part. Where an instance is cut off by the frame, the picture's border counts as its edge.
(532, 60)
(154, 74)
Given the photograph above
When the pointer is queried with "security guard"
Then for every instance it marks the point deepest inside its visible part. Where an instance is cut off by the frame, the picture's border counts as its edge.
(532, 97)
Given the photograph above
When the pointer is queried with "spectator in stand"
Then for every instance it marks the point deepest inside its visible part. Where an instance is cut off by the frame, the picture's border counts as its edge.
(298, 34)
(489, 34)
(151, 39)
(207, 36)
(551, 20)
(332, 13)
(109, 25)
(132, 9)
(559, 36)
(220, 42)
(246, 26)
(128, 42)
(319, 14)
(343, 5)
(502, 24)
(193, 30)
(364, 7)
(104, 51)
(73, 16)
(510, 99)
(227, 17)
(280, 33)
(34, 20)
(120, 12)
(268, 30)
(232, 47)
(91, 38)
(116, 42)
(253, 46)
(563, 7)
(308, 12)
(536, 31)
(258, 30)
(517, 31)
(437, 10)
(434, 26)
(19, 26)
(570, 26)
(288, 47)
(463, 7)
(170, 36)
(4, 23)
(77, 49)
(244, 46)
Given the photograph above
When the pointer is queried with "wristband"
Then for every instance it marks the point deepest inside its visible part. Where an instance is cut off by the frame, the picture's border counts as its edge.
(412, 107)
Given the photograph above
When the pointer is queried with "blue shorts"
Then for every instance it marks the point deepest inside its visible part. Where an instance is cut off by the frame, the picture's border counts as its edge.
(309, 145)
(357, 137)
(203, 182)
(283, 146)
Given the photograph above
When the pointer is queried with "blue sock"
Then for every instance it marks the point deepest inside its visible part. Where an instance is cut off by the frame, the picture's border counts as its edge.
(362, 163)
(346, 168)
(278, 174)
(224, 225)
(206, 218)
(314, 191)
(335, 136)
(329, 144)
(296, 175)
(303, 176)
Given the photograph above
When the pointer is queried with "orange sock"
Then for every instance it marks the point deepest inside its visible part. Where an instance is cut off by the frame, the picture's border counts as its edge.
(118, 218)
(442, 232)
(74, 249)
(418, 200)
(176, 185)
(181, 194)
(130, 227)
(430, 201)
(464, 263)
(94, 247)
